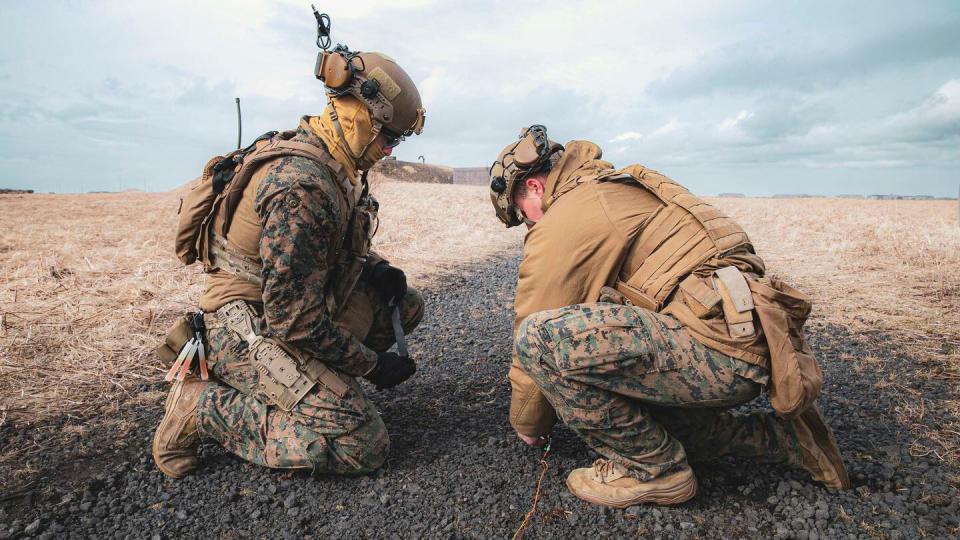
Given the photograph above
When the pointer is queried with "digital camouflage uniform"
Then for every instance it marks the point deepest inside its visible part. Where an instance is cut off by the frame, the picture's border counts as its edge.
(324, 431)
(647, 388)
(641, 391)
(296, 304)
(299, 206)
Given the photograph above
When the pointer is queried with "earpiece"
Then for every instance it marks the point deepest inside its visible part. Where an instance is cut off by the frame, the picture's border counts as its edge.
(333, 69)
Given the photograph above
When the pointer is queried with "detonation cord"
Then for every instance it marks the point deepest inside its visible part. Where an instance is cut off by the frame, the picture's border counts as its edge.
(518, 535)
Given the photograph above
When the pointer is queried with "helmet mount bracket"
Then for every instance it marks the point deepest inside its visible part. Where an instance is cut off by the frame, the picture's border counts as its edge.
(372, 78)
(528, 155)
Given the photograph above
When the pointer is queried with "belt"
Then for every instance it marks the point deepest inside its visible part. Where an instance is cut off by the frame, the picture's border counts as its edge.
(283, 376)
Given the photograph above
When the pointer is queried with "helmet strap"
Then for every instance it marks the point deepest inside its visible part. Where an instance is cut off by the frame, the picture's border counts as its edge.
(377, 126)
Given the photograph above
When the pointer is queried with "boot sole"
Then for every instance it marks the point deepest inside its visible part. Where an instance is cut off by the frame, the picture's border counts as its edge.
(676, 495)
(813, 419)
(154, 448)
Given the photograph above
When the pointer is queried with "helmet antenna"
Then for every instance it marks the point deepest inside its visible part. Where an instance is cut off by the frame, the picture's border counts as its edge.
(323, 28)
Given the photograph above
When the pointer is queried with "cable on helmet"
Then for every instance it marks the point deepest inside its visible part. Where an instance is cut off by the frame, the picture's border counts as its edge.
(529, 155)
(375, 80)
(323, 28)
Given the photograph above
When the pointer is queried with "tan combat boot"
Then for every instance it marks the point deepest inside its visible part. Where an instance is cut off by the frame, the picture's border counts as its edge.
(176, 441)
(819, 451)
(609, 484)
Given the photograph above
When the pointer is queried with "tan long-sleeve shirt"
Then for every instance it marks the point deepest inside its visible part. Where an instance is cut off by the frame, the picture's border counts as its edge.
(569, 255)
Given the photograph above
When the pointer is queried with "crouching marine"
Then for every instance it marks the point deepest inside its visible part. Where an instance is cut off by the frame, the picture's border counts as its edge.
(643, 315)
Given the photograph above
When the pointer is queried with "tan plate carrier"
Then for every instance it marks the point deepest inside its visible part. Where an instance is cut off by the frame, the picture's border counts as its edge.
(671, 253)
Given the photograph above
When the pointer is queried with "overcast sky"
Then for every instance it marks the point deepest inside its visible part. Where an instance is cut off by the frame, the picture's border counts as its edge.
(760, 98)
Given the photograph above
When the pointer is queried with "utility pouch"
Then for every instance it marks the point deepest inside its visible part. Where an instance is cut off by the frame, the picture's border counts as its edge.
(284, 378)
(737, 301)
(701, 298)
(177, 337)
(795, 376)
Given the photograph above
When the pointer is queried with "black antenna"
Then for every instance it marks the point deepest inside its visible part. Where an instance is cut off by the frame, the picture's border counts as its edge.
(239, 124)
(323, 28)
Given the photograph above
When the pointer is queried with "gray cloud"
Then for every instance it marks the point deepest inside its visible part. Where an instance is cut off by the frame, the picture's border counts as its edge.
(777, 117)
(119, 93)
(806, 64)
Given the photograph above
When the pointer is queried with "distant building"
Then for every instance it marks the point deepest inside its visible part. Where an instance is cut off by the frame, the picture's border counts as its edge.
(892, 197)
(732, 195)
(471, 175)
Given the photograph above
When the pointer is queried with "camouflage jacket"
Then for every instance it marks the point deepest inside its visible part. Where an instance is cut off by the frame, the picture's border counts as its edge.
(292, 217)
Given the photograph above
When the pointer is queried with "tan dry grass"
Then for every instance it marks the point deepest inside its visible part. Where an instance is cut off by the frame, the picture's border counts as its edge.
(871, 266)
(885, 270)
(89, 284)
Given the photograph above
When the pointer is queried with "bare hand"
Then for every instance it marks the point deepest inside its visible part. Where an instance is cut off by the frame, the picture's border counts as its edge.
(535, 442)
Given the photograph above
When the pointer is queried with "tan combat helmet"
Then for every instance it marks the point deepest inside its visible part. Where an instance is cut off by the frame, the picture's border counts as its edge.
(379, 83)
(528, 155)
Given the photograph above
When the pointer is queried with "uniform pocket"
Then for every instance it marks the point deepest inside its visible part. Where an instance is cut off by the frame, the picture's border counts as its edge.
(599, 339)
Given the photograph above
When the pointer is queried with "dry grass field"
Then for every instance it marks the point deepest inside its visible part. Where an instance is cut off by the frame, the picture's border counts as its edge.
(88, 284)
(882, 270)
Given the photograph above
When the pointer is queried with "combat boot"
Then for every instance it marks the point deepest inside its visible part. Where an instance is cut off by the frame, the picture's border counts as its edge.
(609, 484)
(820, 455)
(176, 441)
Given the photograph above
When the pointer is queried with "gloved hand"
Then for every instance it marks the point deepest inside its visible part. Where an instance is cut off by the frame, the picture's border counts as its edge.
(389, 281)
(391, 370)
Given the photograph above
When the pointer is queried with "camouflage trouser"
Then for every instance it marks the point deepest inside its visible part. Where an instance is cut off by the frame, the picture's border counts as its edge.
(641, 391)
(323, 432)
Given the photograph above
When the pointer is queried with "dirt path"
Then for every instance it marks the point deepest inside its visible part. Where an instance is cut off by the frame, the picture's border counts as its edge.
(457, 470)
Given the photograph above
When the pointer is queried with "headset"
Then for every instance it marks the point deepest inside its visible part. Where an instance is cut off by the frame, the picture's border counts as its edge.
(530, 153)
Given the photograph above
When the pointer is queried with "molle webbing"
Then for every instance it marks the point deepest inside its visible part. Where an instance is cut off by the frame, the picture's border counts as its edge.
(284, 377)
(677, 240)
(212, 244)
(224, 257)
(273, 149)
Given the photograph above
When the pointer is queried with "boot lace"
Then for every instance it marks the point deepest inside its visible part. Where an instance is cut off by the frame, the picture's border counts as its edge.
(602, 468)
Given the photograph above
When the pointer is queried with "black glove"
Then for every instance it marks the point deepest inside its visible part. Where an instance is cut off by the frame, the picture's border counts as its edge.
(389, 281)
(391, 370)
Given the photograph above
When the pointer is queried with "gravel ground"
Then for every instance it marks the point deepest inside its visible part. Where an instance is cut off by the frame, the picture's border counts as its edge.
(457, 470)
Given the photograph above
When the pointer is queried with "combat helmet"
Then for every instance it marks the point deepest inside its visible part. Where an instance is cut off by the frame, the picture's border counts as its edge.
(380, 84)
(531, 153)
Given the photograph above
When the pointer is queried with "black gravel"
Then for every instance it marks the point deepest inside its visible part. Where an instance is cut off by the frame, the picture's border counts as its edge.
(457, 470)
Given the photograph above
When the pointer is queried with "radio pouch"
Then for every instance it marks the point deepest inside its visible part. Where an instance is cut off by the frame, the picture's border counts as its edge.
(795, 376)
